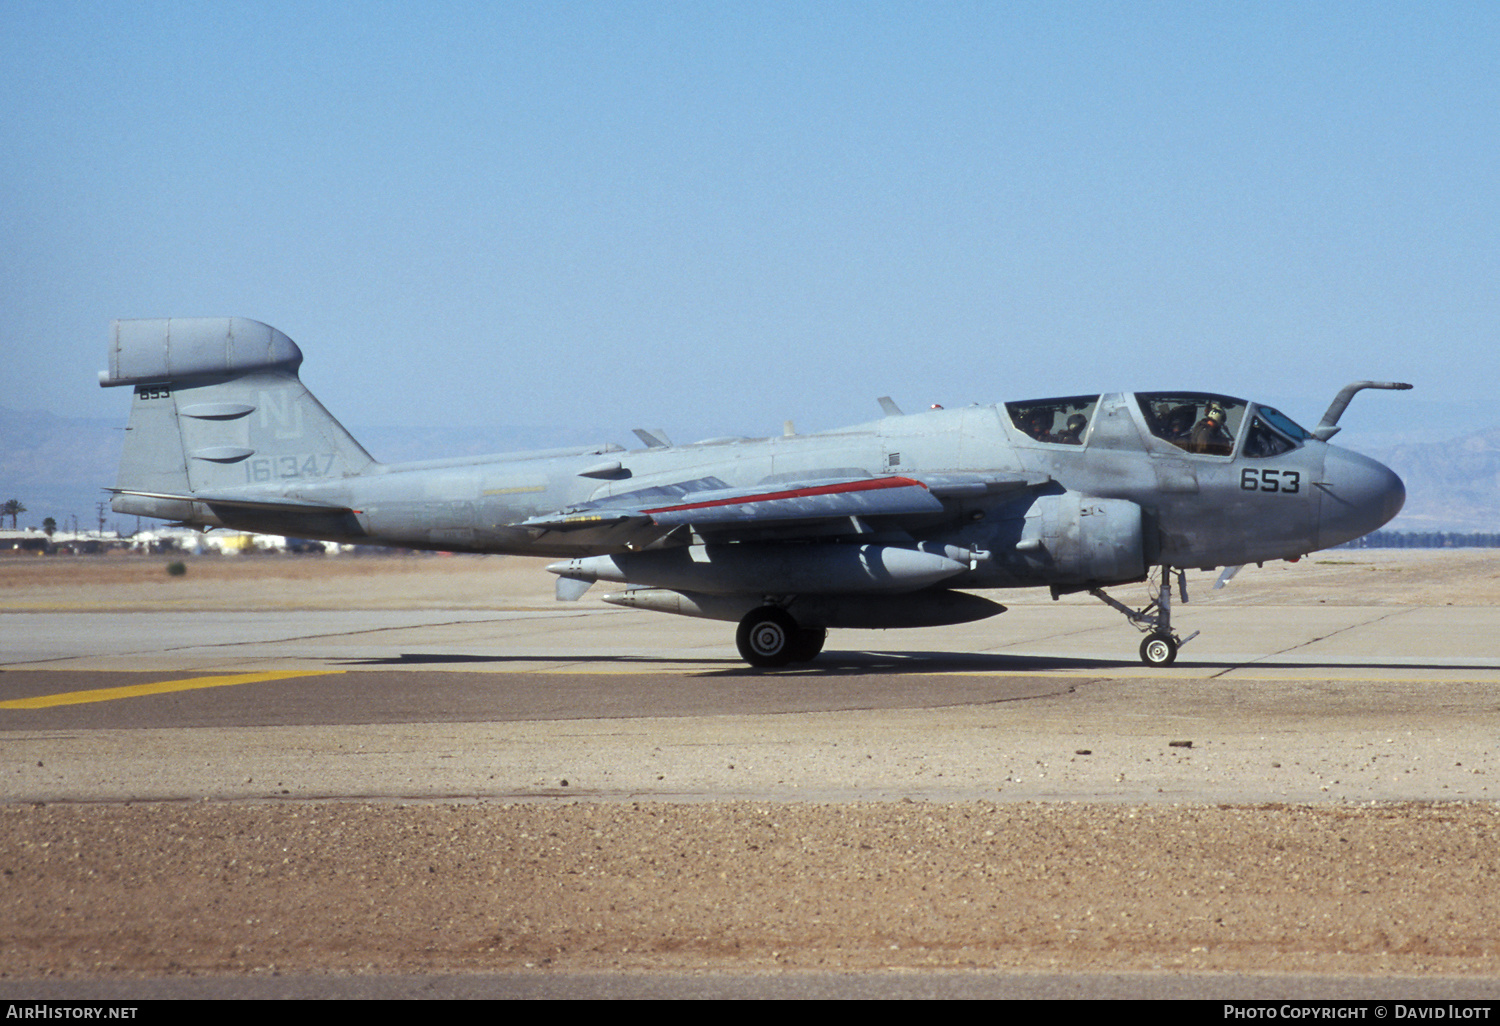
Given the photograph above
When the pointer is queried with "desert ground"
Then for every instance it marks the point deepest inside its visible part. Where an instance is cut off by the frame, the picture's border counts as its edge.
(219, 886)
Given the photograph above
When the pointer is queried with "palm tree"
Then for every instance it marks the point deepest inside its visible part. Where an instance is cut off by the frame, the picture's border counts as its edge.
(12, 508)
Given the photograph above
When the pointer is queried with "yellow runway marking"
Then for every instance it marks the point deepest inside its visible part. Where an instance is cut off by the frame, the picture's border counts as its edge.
(158, 688)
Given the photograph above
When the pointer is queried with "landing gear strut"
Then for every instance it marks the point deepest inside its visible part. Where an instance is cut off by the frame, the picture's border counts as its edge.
(1155, 620)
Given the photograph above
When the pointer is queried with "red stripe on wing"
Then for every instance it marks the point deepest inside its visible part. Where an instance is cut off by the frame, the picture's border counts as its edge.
(874, 484)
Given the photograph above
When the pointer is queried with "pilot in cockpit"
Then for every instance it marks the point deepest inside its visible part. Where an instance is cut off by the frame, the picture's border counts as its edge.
(1073, 433)
(1039, 425)
(1209, 434)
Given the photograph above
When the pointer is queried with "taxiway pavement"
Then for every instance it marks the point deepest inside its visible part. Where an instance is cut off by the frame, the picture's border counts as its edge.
(1351, 703)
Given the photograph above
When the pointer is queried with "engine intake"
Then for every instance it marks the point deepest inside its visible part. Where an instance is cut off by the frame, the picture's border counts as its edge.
(1074, 538)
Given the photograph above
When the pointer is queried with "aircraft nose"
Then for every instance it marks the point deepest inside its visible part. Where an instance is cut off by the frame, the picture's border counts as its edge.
(1359, 495)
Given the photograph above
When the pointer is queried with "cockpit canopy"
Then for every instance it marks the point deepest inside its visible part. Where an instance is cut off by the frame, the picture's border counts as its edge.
(1062, 421)
(1202, 423)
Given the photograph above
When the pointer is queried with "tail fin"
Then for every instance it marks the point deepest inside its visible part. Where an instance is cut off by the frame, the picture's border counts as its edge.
(218, 407)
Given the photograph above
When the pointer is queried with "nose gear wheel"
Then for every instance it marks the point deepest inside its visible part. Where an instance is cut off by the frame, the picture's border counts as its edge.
(1159, 650)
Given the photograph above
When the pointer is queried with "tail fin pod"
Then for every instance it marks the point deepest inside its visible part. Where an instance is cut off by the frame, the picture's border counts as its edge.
(218, 406)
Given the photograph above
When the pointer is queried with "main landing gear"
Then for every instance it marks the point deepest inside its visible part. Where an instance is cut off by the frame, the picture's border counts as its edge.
(768, 636)
(1161, 644)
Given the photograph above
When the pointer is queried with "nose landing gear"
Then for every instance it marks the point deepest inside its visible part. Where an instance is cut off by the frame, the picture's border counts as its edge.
(1161, 643)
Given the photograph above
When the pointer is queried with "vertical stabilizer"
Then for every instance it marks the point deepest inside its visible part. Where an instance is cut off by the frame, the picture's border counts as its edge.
(218, 407)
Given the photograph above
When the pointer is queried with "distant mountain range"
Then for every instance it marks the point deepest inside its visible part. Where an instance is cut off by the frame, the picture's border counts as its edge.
(1450, 486)
(58, 466)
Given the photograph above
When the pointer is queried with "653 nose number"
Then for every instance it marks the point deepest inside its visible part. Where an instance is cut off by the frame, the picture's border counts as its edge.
(1287, 482)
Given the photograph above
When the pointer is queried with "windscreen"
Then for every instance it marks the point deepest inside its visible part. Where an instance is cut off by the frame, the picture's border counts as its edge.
(1272, 433)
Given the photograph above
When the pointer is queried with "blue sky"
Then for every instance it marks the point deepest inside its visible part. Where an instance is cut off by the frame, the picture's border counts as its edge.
(712, 217)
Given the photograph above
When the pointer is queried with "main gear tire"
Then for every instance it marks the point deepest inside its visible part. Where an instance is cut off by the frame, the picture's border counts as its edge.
(768, 637)
(808, 644)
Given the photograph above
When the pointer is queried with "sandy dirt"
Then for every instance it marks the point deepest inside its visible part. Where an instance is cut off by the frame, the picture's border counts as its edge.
(295, 886)
(375, 581)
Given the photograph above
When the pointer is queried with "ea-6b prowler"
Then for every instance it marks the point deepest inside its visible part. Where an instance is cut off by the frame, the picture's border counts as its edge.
(884, 524)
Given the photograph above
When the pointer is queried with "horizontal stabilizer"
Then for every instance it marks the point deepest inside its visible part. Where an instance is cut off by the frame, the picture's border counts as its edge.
(275, 504)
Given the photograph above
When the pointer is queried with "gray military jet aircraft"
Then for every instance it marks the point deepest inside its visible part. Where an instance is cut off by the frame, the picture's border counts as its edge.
(883, 524)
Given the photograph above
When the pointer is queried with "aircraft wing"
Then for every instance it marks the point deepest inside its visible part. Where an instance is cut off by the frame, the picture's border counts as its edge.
(787, 503)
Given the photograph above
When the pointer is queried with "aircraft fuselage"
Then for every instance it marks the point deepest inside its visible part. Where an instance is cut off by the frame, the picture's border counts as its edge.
(1199, 510)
